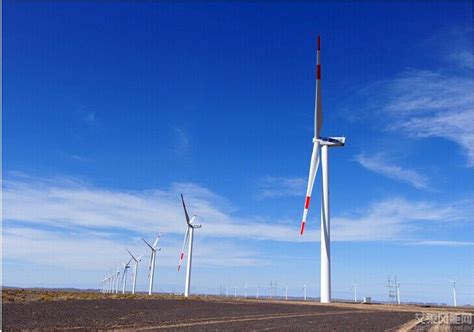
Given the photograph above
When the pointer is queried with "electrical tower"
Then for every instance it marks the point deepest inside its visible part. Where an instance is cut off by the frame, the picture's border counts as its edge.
(393, 287)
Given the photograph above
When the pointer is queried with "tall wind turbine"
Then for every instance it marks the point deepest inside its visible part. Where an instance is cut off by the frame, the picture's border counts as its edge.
(188, 235)
(124, 275)
(135, 269)
(321, 143)
(151, 269)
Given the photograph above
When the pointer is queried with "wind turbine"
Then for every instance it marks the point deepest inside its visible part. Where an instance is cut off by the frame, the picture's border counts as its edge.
(454, 292)
(135, 269)
(354, 287)
(124, 275)
(117, 274)
(188, 235)
(321, 143)
(151, 268)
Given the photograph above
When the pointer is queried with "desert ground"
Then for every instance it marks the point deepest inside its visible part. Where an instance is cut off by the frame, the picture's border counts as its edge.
(55, 310)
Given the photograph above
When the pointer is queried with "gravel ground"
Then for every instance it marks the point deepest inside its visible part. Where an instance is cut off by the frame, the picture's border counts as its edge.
(180, 314)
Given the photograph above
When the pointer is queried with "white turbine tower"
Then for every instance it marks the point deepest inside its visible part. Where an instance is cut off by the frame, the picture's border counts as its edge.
(321, 143)
(117, 274)
(124, 275)
(454, 293)
(188, 235)
(135, 269)
(151, 269)
(354, 287)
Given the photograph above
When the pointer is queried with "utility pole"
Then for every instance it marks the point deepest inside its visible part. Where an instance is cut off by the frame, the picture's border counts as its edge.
(235, 291)
(304, 287)
(257, 291)
(286, 292)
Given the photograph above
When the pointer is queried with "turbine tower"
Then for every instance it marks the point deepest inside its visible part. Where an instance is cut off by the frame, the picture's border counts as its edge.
(188, 235)
(117, 274)
(151, 269)
(124, 275)
(321, 143)
(454, 293)
(135, 269)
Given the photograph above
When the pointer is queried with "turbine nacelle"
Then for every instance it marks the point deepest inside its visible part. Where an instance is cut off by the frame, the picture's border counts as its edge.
(331, 141)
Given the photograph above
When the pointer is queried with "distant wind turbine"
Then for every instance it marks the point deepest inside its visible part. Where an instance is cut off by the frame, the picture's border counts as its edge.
(454, 292)
(188, 235)
(135, 269)
(151, 269)
(124, 275)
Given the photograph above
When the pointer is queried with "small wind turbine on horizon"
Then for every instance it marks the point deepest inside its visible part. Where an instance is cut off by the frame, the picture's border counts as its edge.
(354, 287)
(135, 269)
(151, 269)
(321, 143)
(454, 292)
(188, 236)
(124, 275)
(117, 274)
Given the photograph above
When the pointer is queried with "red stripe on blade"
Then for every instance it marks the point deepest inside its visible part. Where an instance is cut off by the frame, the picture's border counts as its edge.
(318, 72)
(306, 203)
(319, 43)
(302, 228)
(182, 255)
(179, 266)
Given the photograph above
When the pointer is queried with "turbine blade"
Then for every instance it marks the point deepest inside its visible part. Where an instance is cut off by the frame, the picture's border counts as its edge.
(318, 111)
(181, 256)
(313, 169)
(149, 267)
(156, 241)
(185, 211)
(131, 255)
(147, 244)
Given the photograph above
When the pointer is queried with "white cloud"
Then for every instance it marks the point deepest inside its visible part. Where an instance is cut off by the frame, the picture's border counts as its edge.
(71, 204)
(464, 59)
(379, 165)
(78, 208)
(397, 219)
(443, 243)
(83, 250)
(181, 141)
(425, 103)
(271, 187)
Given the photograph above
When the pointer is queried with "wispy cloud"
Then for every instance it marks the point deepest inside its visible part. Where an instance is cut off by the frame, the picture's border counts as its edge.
(442, 243)
(89, 118)
(380, 165)
(80, 250)
(76, 207)
(426, 103)
(271, 187)
(464, 59)
(181, 141)
(398, 219)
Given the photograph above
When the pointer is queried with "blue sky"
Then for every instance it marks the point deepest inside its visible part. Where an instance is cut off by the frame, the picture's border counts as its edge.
(110, 110)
